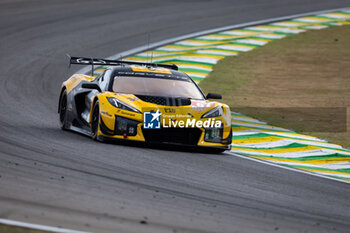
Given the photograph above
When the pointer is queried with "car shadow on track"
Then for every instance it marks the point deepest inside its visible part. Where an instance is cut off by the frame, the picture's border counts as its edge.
(156, 146)
(165, 147)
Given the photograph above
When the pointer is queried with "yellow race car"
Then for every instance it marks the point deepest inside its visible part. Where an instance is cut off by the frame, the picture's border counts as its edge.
(147, 102)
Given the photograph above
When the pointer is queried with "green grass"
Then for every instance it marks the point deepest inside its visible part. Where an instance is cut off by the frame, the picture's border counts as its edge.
(301, 82)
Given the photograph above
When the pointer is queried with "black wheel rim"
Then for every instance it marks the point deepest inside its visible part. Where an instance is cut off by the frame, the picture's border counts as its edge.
(63, 108)
(94, 123)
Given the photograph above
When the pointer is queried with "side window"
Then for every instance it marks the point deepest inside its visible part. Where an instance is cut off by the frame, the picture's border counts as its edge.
(103, 80)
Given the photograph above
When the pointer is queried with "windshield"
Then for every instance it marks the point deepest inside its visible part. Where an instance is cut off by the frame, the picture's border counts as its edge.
(156, 87)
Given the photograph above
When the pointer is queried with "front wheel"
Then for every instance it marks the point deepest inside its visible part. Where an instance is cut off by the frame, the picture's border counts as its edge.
(95, 121)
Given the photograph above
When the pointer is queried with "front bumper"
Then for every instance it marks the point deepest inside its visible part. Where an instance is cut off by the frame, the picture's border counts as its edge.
(122, 128)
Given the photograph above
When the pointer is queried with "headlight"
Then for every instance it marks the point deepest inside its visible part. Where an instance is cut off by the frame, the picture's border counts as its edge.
(120, 104)
(215, 112)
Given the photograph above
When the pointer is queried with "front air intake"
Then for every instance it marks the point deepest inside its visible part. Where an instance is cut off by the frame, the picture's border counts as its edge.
(165, 101)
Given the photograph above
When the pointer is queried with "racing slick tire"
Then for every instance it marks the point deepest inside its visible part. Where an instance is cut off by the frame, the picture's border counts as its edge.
(63, 110)
(95, 122)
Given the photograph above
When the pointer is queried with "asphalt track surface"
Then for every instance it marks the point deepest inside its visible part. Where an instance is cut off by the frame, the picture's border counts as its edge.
(52, 177)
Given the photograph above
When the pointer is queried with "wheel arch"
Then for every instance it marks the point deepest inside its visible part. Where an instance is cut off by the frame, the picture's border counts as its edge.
(59, 100)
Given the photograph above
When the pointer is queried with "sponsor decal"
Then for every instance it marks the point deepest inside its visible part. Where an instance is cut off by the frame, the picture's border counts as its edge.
(169, 110)
(106, 113)
(155, 120)
(150, 69)
(126, 113)
(83, 60)
(201, 105)
(191, 123)
(151, 120)
(133, 98)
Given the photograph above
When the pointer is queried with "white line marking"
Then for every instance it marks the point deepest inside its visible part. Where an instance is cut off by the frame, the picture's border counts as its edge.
(335, 16)
(235, 47)
(288, 168)
(295, 154)
(251, 41)
(343, 165)
(270, 29)
(38, 227)
(271, 36)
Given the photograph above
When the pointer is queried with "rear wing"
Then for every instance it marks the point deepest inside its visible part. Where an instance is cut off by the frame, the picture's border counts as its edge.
(106, 62)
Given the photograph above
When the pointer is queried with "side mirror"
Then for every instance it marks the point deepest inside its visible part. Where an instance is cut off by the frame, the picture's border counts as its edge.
(91, 86)
(213, 96)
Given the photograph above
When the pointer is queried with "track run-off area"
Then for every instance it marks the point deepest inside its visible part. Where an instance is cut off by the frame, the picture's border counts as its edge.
(62, 179)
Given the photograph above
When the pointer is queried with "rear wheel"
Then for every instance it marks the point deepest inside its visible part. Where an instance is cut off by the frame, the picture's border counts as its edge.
(95, 120)
(63, 110)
